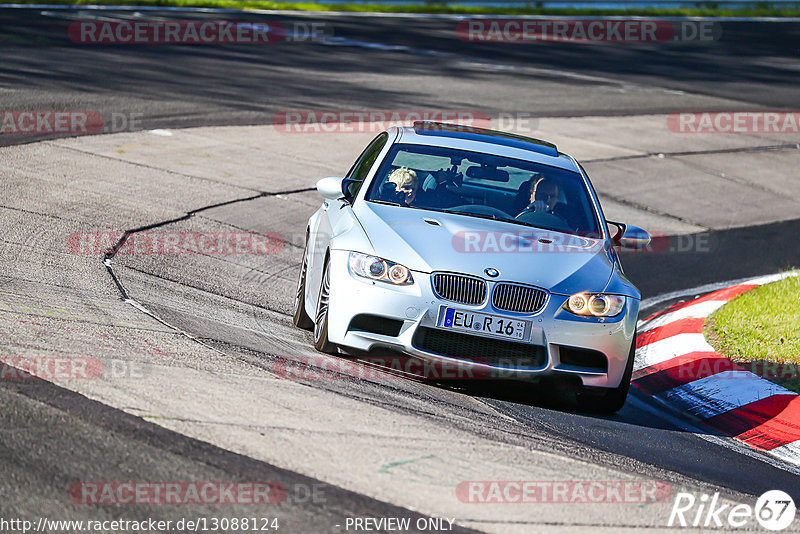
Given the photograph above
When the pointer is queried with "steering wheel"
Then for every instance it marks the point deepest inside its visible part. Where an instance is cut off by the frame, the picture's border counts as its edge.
(551, 221)
(448, 176)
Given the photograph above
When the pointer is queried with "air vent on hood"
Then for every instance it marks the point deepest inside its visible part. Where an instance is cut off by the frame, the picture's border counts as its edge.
(432, 222)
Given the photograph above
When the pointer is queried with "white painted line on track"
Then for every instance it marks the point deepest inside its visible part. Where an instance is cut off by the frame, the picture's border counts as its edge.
(707, 288)
(668, 348)
(722, 392)
(701, 310)
(694, 291)
(788, 453)
(722, 441)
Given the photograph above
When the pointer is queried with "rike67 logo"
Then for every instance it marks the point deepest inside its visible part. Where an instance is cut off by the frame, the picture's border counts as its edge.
(774, 510)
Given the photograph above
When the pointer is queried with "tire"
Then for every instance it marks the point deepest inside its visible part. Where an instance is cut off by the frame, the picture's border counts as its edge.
(609, 400)
(301, 318)
(321, 342)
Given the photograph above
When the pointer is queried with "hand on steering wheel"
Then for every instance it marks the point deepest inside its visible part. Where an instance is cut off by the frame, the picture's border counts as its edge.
(444, 176)
(539, 206)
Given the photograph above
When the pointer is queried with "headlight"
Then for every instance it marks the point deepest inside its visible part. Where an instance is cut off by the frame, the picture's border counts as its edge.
(595, 304)
(375, 268)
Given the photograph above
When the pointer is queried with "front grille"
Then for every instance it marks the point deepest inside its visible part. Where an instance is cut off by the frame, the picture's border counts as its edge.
(479, 349)
(459, 288)
(518, 298)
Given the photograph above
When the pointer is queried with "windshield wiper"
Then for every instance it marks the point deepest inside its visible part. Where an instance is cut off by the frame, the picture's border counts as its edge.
(496, 218)
(479, 215)
(390, 203)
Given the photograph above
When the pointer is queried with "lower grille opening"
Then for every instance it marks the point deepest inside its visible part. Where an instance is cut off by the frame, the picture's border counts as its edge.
(374, 324)
(575, 357)
(479, 349)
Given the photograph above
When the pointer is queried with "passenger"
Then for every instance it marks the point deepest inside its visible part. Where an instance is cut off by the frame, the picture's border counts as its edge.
(545, 193)
(406, 184)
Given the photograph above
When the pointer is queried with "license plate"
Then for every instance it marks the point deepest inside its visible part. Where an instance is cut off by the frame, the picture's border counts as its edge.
(481, 323)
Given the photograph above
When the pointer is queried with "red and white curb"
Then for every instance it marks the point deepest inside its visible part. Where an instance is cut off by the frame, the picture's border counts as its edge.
(675, 364)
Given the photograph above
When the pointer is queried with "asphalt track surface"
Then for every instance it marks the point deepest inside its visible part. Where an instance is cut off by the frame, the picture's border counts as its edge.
(753, 66)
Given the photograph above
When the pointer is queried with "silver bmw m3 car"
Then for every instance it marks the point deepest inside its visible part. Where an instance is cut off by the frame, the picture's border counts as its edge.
(475, 248)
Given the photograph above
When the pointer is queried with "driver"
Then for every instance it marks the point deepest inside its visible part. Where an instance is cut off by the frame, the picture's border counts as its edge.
(406, 184)
(544, 196)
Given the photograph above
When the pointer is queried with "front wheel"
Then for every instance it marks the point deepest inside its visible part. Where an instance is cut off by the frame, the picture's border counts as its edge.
(611, 400)
(321, 342)
(300, 317)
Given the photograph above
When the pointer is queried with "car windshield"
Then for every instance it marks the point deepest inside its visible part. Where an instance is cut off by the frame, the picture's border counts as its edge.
(486, 186)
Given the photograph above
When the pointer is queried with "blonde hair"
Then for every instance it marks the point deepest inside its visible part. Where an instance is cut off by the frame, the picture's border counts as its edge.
(403, 177)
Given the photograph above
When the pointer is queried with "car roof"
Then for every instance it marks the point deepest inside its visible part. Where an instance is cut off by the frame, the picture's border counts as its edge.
(485, 141)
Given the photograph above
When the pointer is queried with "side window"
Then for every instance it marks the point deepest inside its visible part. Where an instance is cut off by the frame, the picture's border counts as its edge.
(364, 163)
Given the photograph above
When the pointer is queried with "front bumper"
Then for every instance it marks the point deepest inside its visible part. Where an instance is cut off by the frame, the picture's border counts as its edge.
(418, 308)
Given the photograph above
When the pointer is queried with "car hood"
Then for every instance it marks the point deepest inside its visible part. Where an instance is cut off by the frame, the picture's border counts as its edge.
(429, 241)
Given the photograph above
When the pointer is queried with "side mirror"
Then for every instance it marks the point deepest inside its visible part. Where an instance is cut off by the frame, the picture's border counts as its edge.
(331, 188)
(350, 189)
(629, 236)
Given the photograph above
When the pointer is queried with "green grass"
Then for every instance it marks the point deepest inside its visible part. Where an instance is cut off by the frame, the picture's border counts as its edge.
(761, 329)
(758, 9)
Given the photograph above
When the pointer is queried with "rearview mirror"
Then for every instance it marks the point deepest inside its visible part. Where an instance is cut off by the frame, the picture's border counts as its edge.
(487, 173)
(331, 188)
(629, 236)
